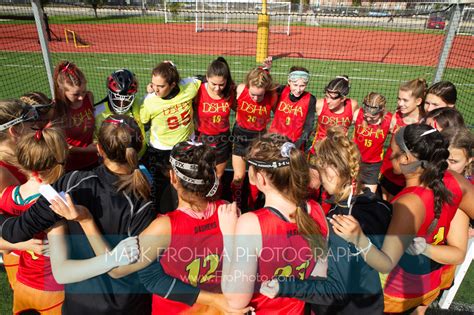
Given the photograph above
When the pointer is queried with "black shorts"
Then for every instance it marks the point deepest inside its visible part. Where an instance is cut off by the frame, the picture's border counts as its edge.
(369, 173)
(242, 139)
(221, 143)
(392, 188)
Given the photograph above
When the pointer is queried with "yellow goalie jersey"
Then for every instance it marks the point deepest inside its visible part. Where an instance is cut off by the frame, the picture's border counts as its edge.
(171, 120)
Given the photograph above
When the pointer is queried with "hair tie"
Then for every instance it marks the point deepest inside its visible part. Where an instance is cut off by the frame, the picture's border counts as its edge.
(170, 62)
(36, 176)
(342, 77)
(65, 67)
(39, 131)
(264, 69)
(192, 143)
(119, 123)
(38, 135)
(286, 148)
(115, 122)
(427, 132)
(147, 174)
(68, 68)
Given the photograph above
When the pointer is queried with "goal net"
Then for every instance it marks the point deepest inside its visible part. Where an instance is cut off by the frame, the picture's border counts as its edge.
(233, 16)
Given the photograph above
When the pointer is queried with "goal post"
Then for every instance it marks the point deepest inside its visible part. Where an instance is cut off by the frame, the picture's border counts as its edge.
(239, 16)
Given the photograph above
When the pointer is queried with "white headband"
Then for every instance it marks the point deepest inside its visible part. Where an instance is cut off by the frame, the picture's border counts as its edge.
(193, 167)
(295, 75)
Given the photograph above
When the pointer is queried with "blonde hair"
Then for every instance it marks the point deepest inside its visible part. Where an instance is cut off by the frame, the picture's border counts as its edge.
(43, 151)
(418, 88)
(35, 98)
(337, 151)
(121, 139)
(292, 182)
(38, 98)
(9, 110)
(259, 78)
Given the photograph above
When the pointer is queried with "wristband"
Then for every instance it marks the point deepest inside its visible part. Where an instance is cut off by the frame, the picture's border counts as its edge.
(363, 250)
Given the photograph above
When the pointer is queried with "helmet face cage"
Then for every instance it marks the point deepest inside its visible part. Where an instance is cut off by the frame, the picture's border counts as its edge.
(122, 87)
(120, 103)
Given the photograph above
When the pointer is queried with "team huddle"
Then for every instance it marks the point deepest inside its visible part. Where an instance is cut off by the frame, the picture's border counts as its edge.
(318, 217)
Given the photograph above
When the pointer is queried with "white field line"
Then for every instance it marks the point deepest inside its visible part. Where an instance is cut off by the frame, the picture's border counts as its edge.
(182, 70)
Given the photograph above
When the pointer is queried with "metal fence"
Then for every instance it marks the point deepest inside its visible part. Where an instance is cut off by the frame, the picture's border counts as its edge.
(377, 48)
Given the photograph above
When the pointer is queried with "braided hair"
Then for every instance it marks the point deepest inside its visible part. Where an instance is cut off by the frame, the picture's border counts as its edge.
(292, 181)
(339, 152)
(432, 148)
(68, 73)
(204, 157)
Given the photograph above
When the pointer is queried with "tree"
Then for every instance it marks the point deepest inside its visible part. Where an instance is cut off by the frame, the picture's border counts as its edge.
(95, 4)
(43, 3)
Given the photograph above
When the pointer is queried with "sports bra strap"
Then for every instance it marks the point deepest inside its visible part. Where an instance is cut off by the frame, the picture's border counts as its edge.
(277, 212)
(18, 199)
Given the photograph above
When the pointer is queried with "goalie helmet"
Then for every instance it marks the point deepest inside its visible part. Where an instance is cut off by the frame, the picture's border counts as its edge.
(122, 87)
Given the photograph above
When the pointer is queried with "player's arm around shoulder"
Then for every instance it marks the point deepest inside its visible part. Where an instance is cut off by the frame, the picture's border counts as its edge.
(240, 269)
(354, 104)
(319, 106)
(240, 89)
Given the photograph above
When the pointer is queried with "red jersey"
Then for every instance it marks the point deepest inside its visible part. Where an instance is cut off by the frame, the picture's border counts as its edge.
(387, 169)
(193, 256)
(251, 115)
(290, 117)
(213, 115)
(34, 270)
(79, 131)
(371, 138)
(284, 253)
(403, 284)
(5, 199)
(328, 119)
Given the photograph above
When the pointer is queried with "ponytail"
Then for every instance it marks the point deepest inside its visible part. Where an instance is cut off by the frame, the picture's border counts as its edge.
(121, 139)
(432, 177)
(134, 182)
(43, 152)
(432, 149)
(220, 68)
(292, 180)
(310, 231)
